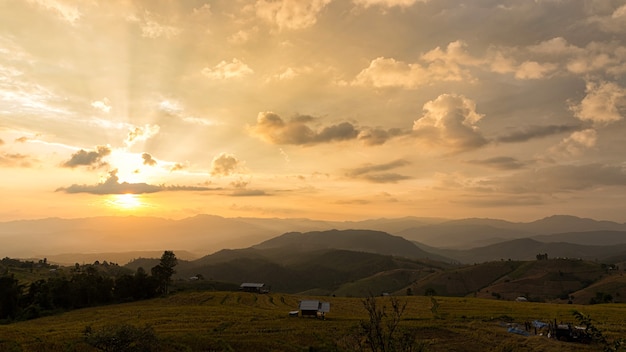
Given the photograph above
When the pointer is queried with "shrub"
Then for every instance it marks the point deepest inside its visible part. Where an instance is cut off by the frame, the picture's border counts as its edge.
(122, 338)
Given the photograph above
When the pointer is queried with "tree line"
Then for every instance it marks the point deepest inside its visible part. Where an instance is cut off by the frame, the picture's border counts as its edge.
(84, 286)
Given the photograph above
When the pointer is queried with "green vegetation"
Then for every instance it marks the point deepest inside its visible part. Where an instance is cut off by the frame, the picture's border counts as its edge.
(62, 289)
(238, 321)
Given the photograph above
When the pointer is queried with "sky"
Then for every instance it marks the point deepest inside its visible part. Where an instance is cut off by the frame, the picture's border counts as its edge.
(321, 109)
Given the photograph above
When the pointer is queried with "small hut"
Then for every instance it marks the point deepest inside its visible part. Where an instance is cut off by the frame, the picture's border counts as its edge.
(314, 308)
(254, 287)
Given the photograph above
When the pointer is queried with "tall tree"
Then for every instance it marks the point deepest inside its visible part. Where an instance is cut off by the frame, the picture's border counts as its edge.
(164, 271)
(10, 293)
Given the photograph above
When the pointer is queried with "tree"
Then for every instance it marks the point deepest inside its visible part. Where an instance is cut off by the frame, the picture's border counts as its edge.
(164, 271)
(382, 333)
(10, 293)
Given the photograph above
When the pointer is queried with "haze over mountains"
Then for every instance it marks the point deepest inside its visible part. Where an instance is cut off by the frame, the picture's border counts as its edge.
(464, 240)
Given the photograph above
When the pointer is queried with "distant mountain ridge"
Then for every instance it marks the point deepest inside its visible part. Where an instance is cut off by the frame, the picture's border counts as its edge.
(204, 234)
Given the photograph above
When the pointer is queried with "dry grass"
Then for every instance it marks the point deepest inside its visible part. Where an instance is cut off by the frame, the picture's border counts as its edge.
(223, 321)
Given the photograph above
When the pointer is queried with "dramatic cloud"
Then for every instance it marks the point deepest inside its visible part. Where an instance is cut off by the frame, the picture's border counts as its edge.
(604, 103)
(112, 186)
(224, 165)
(532, 132)
(450, 121)
(290, 14)
(272, 128)
(228, 70)
(148, 160)
(500, 163)
(91, 159)
(437, 65)
(377, 174)
(138, 133)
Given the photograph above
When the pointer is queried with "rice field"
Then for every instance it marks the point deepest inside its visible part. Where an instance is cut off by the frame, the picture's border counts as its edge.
(238, 321)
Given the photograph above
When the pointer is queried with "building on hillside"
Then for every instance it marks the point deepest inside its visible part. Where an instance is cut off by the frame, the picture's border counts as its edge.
(254, 287)
(313, 308)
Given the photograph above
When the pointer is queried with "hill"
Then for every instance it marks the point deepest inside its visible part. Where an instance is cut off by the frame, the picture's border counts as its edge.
(527, 249)
(354, 240)
(546, 280)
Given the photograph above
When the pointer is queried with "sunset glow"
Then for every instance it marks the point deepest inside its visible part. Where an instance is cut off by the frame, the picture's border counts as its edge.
(125, 201)
(325, 109)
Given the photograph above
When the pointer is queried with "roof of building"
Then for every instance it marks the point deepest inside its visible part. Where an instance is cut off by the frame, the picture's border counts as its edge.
(309, 305)
(252, 284)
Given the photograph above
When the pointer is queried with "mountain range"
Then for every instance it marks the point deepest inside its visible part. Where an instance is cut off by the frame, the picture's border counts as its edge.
(319, 263)
(464, 240)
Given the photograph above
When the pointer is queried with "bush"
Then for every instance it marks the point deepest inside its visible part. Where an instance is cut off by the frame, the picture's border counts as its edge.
(122, 338)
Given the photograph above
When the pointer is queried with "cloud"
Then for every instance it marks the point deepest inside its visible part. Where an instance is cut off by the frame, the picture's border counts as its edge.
(248, 193)
(66, 12)
(177, 167)
(534, 70)
(290, 14)
(148, 160)
(1, 141)
(376, 174)
(138, 133)
(272, 128)
(532, 132)
(153, 26)
(604, 103)
(173, 108)
(92, 159)
(378, 136)
(450, 121)
(14, 160)
(576, 143)
(436, 65)
(22, 139)
(228, 70)
(387, 3)
(563, 178)
(112, 186)
(224, 165)
(500, 163)
(102, 105)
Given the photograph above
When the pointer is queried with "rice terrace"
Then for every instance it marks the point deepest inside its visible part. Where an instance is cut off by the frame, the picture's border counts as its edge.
(240, 321)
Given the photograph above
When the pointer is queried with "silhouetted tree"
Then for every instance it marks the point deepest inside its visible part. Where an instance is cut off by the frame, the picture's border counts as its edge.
(10, 293)
(382, 333)
(164, 271)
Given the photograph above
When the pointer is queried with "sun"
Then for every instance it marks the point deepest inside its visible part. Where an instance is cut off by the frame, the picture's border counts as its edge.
(126, 201)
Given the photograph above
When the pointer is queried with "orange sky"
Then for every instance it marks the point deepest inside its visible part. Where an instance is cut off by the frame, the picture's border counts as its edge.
(326, 109)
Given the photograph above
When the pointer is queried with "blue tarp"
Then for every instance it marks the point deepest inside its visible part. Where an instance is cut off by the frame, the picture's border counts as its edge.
(518, 331)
